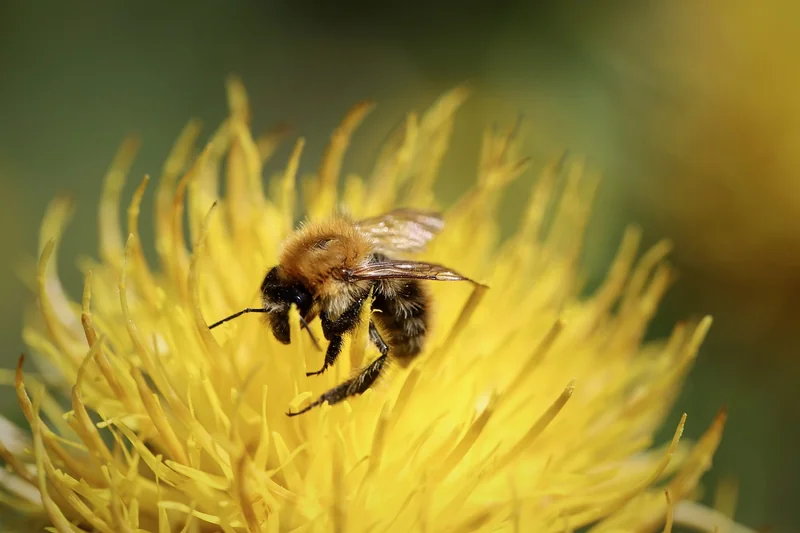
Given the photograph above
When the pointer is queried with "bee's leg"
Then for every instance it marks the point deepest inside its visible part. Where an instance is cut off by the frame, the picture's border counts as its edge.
(377, 340)
(335, 330)
(359, 383)
(351, 387)
(333, 351)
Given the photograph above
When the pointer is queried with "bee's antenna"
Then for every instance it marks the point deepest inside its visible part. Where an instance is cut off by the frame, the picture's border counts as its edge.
(303, 323)
(314, 340)
(236, 315)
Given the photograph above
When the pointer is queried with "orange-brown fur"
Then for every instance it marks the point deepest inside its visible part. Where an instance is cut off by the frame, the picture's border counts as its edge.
(317, 267)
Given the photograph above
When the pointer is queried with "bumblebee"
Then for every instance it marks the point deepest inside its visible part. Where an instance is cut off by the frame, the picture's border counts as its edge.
(327, 270)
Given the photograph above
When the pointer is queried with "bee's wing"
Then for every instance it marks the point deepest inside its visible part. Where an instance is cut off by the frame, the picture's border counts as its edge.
(399, 269)
(402, 230)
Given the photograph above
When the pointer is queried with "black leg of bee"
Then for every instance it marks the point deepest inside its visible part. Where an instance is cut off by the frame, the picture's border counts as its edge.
(359, 383)
(333, 351)
(334, 330)
(376, 339)
(351, 387)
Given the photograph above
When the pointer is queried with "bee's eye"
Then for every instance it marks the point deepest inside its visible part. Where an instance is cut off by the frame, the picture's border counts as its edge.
(302, 299)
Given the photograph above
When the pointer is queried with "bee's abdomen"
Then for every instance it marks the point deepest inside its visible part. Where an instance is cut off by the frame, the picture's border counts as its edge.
(403, 316)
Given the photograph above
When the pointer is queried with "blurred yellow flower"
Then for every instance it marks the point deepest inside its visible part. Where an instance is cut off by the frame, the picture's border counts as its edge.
(709, 96)
(530, 409)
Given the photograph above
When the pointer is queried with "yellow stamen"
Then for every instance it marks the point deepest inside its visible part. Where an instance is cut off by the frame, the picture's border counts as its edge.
(173, 427)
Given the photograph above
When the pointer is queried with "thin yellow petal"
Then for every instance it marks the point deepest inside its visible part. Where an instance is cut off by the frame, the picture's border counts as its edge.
(111, 236)
(670, 513)
(325, 191)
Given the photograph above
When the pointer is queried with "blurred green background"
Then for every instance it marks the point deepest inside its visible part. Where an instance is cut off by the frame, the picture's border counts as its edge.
(688, 109)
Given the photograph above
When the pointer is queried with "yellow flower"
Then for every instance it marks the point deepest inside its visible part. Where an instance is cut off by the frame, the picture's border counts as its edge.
(530, 409)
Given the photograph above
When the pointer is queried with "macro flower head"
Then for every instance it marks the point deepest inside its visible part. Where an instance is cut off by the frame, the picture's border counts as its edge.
(531, 408)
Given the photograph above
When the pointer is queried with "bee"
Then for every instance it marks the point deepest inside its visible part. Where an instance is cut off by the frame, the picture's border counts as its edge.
(327, 269)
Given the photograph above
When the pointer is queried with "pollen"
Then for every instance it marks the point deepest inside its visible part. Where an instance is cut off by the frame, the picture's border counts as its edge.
(531, 408)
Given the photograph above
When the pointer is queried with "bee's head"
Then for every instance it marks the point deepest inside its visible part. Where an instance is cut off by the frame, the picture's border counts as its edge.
(277, 297)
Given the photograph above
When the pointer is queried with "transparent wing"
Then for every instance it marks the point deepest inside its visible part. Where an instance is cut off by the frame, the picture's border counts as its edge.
(399, 269)
(401, 230)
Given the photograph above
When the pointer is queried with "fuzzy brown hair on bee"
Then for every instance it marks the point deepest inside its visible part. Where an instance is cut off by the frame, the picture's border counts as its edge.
(327, 269)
